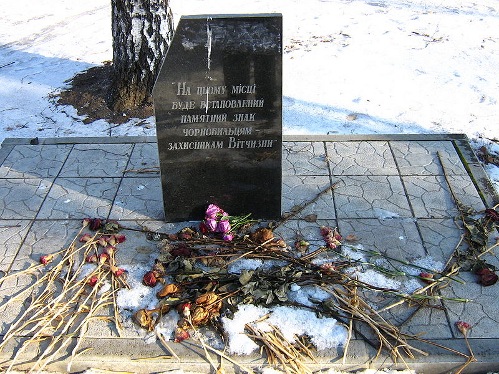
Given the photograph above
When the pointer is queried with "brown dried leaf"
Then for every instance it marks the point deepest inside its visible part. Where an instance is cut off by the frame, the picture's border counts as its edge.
(169, 289)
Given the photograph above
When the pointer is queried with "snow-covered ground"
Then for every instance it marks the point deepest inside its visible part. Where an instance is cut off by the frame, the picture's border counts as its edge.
(350, 66)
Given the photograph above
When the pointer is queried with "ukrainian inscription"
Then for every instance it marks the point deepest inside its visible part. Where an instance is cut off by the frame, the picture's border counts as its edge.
(218, 115)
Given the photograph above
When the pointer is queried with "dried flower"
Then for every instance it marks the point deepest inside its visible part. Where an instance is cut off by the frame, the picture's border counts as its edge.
(85, 238)
(185, 309)
(331, 237)
(102, 241)
(144, 319)
(181, 335)
(150, 279)
(328, 268)
(86, 221)
(92, 281)
(91, 259)
(180, 250)
(228, 237)
(169, 289)
(46, 259)
(262, 235)
(426, 277)
(487, 277)
(302, 245)
(119, 238)
(117, 271)
(492, 215)
(110, 250)
(103, 258)
(463, 327)
(95, 224)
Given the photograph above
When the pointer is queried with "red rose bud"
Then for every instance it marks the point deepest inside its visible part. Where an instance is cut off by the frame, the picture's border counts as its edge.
(150, 279)
(487, 277)
(85, 238)
(181, 335)
(426, 277)
(91, 259)
(463, 327)
(92, 281)
(46, 259)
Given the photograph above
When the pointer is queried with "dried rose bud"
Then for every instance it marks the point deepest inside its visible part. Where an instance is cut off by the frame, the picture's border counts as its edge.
(95, 224)
(185, 309)
(181, 335)
(169, 289)
(119, 238)
(463, 327)
(92, 281)
(86, 221)
(150, 279)
(103, 258)
(487, 277)
(117, 271)
(85, 238)
(110, 250)
(426, 277)
(91, 259)
(328, 268)
(102, 241)
(492, 214)
(46, 259)
(181, 251)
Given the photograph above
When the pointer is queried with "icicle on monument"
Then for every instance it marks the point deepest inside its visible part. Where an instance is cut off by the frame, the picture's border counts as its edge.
(218, 104)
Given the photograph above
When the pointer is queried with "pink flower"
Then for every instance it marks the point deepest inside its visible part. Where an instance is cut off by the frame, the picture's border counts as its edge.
(228, 237)
(91, 259)
(212, 211)
(211, 224)
(109, 250)
(102, 241)
(223, 226)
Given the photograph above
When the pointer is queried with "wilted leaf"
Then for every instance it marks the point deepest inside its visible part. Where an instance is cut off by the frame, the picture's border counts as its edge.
(245, 276)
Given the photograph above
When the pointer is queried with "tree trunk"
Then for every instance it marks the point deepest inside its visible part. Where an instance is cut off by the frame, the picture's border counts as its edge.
(142, 30)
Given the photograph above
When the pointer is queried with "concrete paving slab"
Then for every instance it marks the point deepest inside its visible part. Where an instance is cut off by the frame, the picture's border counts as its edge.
(395, 194)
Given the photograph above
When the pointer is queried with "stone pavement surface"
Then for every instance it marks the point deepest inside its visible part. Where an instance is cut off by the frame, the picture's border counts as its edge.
(394, 193)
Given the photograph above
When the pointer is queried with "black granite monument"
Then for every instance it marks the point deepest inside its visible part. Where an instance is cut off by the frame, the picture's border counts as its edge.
(218, 101)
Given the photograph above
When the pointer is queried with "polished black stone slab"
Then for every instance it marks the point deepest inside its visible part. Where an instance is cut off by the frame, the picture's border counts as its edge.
(218, 107)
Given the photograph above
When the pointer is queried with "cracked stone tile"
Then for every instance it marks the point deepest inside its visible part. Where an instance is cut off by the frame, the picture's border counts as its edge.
(397, 238)
(361, 158)
(31, 161)
(79, 198)
(465, 191)
(429, 196)
(420, 157)
(144, 158)
(304, 158)
(97, 160)
(481, 312)
(371, 197)
(299, 190)
(12, 234)
(21, 198)
(139, 198)
(441, 237)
